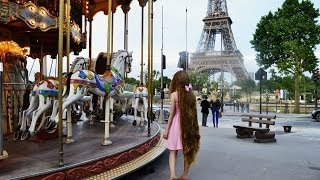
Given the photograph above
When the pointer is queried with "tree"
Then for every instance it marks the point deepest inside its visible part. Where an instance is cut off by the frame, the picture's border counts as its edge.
(199, 79)
(247, 86)
(131, 80)
(287, 39)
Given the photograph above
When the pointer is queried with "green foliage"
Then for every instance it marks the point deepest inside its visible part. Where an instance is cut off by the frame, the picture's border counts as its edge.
(287, 39)
(198, 79)
(131, 80)
(247, 85)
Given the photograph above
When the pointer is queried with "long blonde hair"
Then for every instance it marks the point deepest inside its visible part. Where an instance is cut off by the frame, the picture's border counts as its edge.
(188, 113)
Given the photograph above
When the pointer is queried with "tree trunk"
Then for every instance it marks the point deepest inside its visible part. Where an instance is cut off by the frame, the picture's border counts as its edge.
(297, 93)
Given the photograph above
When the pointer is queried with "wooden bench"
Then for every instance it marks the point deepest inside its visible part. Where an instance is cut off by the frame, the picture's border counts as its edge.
(262, 134)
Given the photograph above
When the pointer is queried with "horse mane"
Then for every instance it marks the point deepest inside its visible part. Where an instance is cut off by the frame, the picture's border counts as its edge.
(77, 59)
(101, 61)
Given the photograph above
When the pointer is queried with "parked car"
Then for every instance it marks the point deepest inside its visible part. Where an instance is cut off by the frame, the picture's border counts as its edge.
(316, 114)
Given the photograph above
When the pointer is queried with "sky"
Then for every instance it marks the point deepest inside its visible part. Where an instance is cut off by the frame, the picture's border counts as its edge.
(177, 25)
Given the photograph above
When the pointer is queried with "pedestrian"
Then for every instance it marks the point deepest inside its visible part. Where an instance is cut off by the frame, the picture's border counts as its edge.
(215, 108)
(205, 105)
(242, 107)
(248, 107)
(237, 105)
(182, 131)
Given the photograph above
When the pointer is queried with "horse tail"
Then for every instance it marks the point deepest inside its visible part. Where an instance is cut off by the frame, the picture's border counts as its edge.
(68, 84)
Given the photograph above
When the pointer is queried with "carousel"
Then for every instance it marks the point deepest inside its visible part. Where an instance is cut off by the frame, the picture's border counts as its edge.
(50, 128)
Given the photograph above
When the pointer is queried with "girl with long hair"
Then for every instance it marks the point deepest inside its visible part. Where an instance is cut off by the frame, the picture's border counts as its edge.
(182, 131)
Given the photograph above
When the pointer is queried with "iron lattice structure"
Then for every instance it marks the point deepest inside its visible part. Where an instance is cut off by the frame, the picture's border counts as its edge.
(217, 21)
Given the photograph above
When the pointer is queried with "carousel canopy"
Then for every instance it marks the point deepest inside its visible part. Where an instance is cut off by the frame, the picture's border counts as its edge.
(34, 23)
(13, 48)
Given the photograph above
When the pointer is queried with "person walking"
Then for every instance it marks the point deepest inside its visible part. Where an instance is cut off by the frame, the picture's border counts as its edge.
(182, 131)
(205, 105)
(215, 107)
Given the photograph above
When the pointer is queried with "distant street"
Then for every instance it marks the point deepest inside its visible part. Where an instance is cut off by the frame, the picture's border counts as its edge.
(294, 156)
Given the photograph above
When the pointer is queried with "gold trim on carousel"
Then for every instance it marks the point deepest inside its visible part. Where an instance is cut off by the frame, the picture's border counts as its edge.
(133, 165)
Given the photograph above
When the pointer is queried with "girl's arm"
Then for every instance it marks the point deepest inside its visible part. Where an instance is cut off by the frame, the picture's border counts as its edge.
(172, 112)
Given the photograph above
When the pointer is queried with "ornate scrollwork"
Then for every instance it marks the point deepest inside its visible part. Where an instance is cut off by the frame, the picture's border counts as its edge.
(33, 16)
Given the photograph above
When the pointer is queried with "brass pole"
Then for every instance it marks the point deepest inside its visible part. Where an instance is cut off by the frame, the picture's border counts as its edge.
(111, 38)
(105, 140)
(90, 45)
(60, 53)
(41, 61)
(150, 2)
(141, 63)
(68, 34)
(109, 35)
(69, 123)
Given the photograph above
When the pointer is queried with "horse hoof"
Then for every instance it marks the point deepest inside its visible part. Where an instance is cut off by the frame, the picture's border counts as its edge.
(49, 124)
(134, 123)
(16, 135)
(100, 112)
(25, 135)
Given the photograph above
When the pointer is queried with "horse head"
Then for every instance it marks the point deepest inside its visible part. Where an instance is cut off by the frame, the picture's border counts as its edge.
(122, 61)
(78, 64)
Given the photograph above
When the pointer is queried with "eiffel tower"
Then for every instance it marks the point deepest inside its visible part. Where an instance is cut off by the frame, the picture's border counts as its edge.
(217, 21)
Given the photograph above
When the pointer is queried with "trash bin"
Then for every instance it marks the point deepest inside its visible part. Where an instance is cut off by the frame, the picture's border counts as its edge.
(287, 129)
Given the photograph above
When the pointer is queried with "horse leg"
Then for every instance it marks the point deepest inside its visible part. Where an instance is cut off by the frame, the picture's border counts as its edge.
(26, 113)
(88, 99)
(146, 108)
(136, 103)
(43, 118)
(71, 99)
(50, 121)
(111, 111)
(36, 114)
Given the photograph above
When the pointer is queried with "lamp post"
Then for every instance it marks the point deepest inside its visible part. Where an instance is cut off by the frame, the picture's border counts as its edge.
(315, 78)
(260, 75)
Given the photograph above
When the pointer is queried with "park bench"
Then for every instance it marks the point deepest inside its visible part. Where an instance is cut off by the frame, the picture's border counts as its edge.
(261, 134)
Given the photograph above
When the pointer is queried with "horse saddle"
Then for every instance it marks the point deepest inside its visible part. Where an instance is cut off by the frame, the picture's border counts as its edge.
(107, 76)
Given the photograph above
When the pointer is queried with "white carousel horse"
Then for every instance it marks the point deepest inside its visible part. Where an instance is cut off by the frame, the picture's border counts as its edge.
(140, 104)
(108, 85)
(49, 93)
(48, 89)
(24, 116)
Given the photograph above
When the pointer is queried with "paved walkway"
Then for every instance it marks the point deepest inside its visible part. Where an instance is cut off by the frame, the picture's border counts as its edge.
(295, 156)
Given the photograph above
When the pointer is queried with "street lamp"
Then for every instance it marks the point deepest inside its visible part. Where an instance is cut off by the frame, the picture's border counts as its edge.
(315, 78)
(260, 75)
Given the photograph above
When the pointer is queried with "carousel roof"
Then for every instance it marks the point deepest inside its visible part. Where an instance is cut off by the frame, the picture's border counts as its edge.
(33, 23)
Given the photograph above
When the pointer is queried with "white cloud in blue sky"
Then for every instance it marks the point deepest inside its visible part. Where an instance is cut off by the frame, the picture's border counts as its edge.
(245, 14)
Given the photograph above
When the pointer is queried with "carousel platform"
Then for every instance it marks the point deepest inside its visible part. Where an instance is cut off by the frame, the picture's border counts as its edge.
(86, 158)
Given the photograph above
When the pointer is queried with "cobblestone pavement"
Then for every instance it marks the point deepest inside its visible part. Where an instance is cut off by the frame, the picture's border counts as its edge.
(222, 156)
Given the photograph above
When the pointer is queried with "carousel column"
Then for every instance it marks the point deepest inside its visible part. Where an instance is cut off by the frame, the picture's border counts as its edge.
(3, 153)
(150, 63)
(142, 4)
(60, 56)
(90, 19)
(43, 65)
(125, 9)
(69, 118)
(105, 140)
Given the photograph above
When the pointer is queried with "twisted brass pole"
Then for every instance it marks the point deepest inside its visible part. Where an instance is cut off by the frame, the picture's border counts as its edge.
(60, 56)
